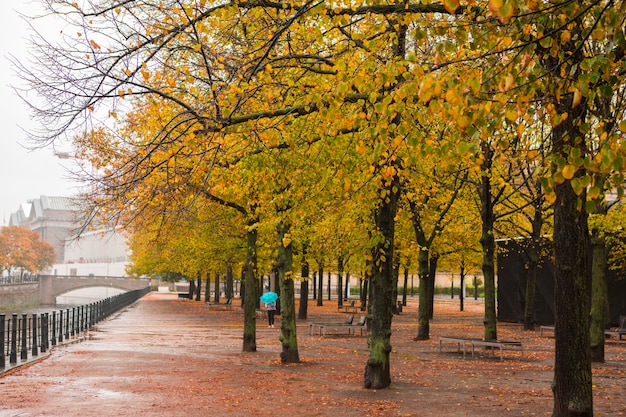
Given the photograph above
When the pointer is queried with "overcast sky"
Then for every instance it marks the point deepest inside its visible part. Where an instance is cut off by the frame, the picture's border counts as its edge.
(24, 174)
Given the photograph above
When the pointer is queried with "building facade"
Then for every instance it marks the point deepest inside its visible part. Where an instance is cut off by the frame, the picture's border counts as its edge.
(55, 219)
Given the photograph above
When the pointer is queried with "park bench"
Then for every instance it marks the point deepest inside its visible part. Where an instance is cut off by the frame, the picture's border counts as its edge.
(228, 305)
(470, 343)
(183, 295)
(352, 328)
(499, 344)
(319, 325)
(620, 331)
(549, 329)
(349, 308)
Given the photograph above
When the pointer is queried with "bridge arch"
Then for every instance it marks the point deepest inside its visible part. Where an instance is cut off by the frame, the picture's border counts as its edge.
(53, 286)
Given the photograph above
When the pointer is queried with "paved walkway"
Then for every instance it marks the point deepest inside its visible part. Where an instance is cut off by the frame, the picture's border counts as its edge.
(178, 358)
(124, 366)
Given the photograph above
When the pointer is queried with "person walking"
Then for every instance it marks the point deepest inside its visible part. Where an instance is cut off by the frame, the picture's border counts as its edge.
(271, 312)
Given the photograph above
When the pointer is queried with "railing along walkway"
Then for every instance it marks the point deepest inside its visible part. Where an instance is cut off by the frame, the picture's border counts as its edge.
(28, 336)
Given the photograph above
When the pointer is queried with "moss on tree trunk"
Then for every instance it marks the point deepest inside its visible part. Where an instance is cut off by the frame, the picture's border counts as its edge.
(250, 283)
(488, 244)
(377, 370)
(599, 296)
(423, 328)
(288, 335)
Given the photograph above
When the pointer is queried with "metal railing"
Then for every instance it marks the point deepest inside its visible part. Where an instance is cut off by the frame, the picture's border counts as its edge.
(29, 335)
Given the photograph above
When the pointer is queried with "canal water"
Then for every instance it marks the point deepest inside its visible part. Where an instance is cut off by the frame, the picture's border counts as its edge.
(71, 299)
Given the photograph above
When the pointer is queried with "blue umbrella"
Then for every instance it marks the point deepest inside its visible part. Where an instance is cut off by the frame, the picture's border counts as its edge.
(269, 297)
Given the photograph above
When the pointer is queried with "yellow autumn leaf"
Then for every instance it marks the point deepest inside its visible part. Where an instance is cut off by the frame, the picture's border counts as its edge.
(451, 5)
(568, 171)
(506, 12)
(397, 141)
(509, 82)
(550, 197)
(511, 115)
(495, 5)
(462, 122)
(577, 97)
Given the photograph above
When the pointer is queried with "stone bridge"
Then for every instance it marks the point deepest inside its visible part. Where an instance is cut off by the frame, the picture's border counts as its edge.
(52, 286)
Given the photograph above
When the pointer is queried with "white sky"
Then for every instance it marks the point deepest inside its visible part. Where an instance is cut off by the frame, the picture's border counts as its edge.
(24, 174)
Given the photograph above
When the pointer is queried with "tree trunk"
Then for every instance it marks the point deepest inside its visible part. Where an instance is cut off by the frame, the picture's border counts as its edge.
(207, 288)
(377, 370)
(216, 288)
(396, 276)
(534, 250)
(600, 297)
(432, 273)
(404, 287)
(364, 293)
(531, 286)
(250, 283)
(192, 288)
(329, 288)
(423, 313)
(229, 281)
(304, 287)
(462, 288)
(572, 360)
(320, 284)
(288, 335)
(488, 244)
(339, 282)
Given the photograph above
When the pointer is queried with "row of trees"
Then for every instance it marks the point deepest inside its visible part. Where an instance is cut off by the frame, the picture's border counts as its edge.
(376, 134)
(22, 250)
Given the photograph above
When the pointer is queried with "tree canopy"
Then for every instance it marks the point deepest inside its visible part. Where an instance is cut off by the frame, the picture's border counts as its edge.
(289, 111)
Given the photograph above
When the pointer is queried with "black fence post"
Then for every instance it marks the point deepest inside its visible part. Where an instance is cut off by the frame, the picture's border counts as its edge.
(54, 328)
(60, 326)
(2, 330)
(73, 320)
(44, 334)
(67, 324)
(24, 351)
(13, 354)
(35, 348)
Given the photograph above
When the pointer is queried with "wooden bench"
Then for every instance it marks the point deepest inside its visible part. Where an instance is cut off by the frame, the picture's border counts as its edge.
(620, 331)
(183, 295)
(473, 343)
(352, 328)
(228, 305)
(320, 325)
(460, 341)
(499, 344)
(348, 308)
(546, 329)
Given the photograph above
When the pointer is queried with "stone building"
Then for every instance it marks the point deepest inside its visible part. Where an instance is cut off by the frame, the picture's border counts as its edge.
(54, 218)
(98, 253)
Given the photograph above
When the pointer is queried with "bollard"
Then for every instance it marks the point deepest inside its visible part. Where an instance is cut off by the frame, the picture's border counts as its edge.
(60, 326)
(24, 351)
(13, 354)
(44, 334)
(73, 321)
(2, 322)
(54, 328)
(35, 348)
(67, 324)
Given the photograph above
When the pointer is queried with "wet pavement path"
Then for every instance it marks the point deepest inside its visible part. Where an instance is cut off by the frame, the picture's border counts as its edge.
(163, 356)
